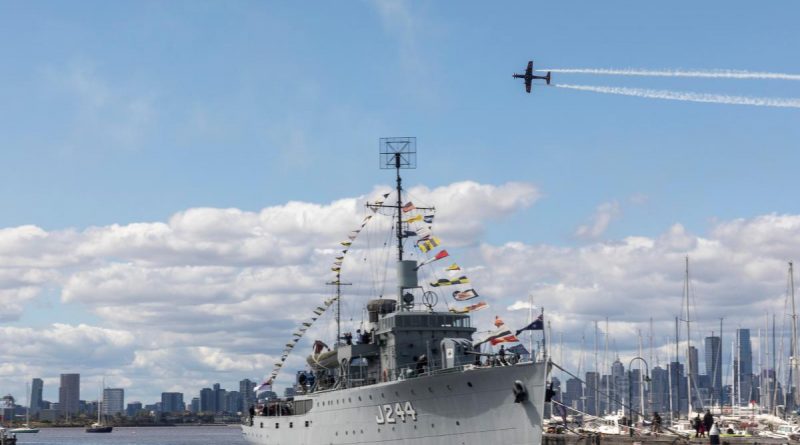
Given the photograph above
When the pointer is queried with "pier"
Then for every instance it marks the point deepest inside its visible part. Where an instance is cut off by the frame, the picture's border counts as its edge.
(598, 439)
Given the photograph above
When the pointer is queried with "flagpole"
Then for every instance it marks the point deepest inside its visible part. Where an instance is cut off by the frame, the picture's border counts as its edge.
(544, 337)
(530, 320)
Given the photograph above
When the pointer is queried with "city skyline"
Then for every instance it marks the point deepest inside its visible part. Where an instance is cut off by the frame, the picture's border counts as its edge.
(174, 193)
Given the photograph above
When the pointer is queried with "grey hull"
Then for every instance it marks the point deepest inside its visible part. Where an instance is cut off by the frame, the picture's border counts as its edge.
(470, 407)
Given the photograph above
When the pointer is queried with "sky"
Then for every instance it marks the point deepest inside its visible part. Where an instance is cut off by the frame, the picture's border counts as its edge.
(176, 176)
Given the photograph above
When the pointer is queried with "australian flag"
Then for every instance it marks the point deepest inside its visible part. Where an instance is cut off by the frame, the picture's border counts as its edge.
(536, 325)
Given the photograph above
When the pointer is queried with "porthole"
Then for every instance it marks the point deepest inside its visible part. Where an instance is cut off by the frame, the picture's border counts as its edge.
(277, 425)
(413, 392)
(349, 400)
(449, 387)
(306, 423)
(458, 423)
(262, 424)
(370, 396)
(469, 384)
(382, 396)
(359, 398)
(431, 425)
(430, 389)
(397, 393)
(291, 424)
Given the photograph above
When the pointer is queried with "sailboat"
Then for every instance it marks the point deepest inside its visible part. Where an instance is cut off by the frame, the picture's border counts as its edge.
(27, 427)
(99, 426)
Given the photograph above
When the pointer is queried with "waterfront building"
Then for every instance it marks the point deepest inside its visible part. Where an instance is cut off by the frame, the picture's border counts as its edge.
(133, 409)
(113, 401)
(208, 401)
(743, 368)
(172, 402)
(573, 397)
(194, 407)
(69, 395)
(35, 405)
(219, 399)
(659, 389)
(592, 385)
(713, 350)
(247, 390)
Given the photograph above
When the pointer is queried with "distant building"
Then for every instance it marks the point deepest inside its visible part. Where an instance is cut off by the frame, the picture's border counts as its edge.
(113, 401)
(37, 385)
(592, 394)
(289, 392)
(233, 402)
(172, 402)
(743, 368)
(247, 390)
(194, 407)
(133, 409)
(219, 399)
(207, 401)
(713, 346)
(69, 395)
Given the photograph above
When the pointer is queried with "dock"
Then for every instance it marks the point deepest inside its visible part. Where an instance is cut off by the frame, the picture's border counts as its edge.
(598, 439)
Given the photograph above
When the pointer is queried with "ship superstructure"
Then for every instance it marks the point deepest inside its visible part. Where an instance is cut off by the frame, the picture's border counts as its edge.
(413, 375)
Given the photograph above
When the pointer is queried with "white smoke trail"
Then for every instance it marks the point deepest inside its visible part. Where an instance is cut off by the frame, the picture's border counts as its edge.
(715, 74)
(688, 96)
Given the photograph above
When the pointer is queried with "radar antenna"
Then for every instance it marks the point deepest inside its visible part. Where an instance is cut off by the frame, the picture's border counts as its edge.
(399, 153)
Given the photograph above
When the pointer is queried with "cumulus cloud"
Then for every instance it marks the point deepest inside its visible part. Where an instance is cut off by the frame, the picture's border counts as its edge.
(214, 294)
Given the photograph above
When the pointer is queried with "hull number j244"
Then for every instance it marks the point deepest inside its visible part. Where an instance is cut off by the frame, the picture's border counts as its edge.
(390, 413)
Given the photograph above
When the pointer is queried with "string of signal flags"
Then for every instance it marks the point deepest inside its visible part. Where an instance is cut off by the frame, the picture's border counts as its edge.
(418, 225)
(683, 96)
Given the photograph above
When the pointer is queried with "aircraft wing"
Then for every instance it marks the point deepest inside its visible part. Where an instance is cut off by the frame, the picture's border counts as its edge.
(528, 84)
(529, 70)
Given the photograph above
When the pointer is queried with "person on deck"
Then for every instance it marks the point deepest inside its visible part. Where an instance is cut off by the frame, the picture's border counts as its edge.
(708, 420)
(656, 423)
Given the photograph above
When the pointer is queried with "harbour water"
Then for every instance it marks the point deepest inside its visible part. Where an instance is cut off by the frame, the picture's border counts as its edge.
(182, 435)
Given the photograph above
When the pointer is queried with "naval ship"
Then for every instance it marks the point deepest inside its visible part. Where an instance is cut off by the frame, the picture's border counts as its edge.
(415, 376)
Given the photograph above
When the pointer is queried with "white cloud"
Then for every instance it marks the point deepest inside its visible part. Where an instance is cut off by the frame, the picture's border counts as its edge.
(598, 223)
(214, 294)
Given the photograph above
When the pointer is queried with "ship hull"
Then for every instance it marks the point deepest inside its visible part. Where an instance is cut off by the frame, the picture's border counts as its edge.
(469, 407)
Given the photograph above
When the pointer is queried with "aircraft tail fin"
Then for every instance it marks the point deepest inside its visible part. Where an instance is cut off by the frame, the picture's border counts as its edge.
(547, 77)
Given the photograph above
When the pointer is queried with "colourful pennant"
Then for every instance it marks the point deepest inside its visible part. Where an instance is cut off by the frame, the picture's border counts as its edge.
(428, 219)
(438, 256)
(468, 294)
(471, 308)
(429, 244)
(414, 219)
(453, 267)
(446, 282)
(409, 207)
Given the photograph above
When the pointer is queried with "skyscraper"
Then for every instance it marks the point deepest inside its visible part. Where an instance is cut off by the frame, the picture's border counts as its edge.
(69, 395)
(743, 367)
(713, 350)
(35, 404)
(246, 389)
(113, 401)
(172, 402)
(693, 362)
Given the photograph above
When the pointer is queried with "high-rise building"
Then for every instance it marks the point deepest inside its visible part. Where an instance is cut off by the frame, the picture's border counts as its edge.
(743, 367)
(133, 409)
(172, 402)
(693, 362)
(247, 390)
(573, 397)
(113, 401)
(35, 405)
(659, 389)
(592, 395)
(713, 346)
(194, 407)
(219, 399)
(69, 395)
(207, 401)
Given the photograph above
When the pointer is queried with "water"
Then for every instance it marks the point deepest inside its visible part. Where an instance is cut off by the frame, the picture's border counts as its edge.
(180, 435)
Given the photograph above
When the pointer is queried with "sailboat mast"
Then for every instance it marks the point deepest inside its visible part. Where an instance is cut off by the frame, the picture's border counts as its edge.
(794, 360)
(688, 340)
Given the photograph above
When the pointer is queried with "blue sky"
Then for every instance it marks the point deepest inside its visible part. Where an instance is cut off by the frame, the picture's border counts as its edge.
(130, 112)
